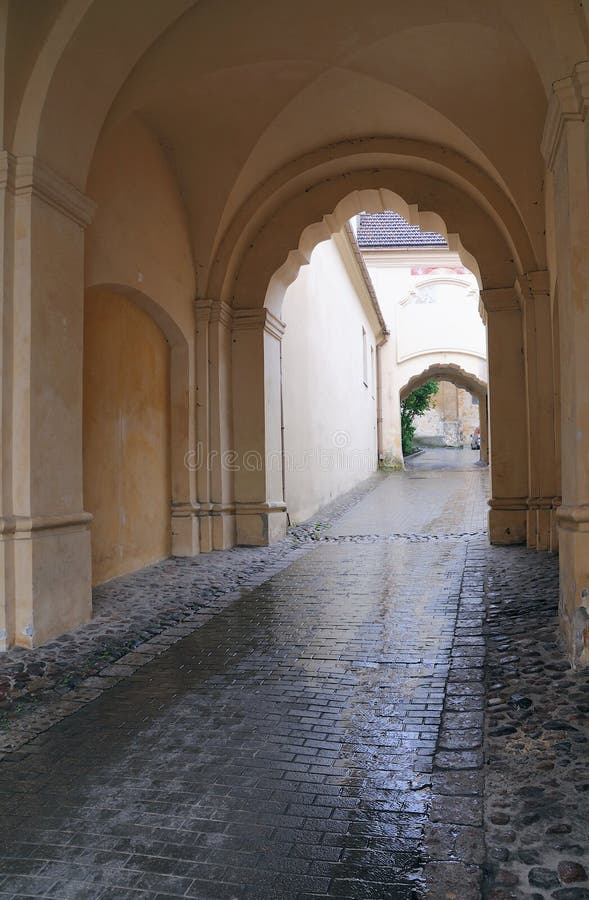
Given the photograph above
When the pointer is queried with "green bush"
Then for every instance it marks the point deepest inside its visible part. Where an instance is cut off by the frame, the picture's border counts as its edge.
(413, 406)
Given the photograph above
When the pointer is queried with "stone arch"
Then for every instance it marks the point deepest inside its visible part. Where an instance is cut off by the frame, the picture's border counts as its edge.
(360, 201)
(81, 30)
(456, 215)
(444, 371)
(455, 374)
(26, 126)
(466, 205)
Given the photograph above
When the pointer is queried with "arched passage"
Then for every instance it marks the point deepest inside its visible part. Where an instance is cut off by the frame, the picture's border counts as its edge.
(73, 83)
(462, 379)
(261, 279)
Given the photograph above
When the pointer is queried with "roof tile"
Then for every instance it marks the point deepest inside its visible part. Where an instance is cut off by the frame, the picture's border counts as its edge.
(388, 229)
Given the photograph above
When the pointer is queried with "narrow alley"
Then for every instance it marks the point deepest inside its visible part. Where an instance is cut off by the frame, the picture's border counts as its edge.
(322, 733)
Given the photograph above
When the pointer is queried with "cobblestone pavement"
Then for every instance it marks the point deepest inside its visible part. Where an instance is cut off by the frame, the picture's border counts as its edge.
(537, 784)
(311, 724)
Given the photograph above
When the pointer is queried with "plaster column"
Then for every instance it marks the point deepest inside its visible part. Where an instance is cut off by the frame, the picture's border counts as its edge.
(484, 426)
(565, 149)
(257, 427)
(203, 457)
(214, 457)
(534, 294)
(507, 418)
(185, 521)
(390, 449)
(557, 422)
(45, 531)
(221, 426)
(6, 554)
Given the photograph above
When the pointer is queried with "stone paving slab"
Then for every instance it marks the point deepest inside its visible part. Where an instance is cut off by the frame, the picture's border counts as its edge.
(456, 490)
(37, 687)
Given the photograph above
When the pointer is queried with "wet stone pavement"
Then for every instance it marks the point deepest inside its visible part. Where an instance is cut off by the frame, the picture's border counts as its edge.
(312, 724)
(163, 601)
(537, 739)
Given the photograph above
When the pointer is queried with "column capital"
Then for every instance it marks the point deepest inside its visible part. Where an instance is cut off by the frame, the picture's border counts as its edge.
(500, 299)
(202, 309)
(207, 310)
(26, 176)
(222, 313)
(258, 319)
(569, 103)
(532, 284)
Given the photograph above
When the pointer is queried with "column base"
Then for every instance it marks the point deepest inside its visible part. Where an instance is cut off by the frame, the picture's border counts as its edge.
(574, 581)
(6, 593)
(224, 527)
(216, 528)
(205, 523)
(52, 577)
(260, 524)
(541, 526)
(391, 462)
(185, 530)
(508, 520)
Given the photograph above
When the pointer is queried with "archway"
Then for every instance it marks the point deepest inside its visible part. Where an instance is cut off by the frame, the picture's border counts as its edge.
(490, 255)
(244, 227)
(462, 379)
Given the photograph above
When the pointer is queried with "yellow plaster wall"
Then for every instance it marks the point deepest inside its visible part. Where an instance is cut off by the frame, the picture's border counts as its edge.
(126, 435)
(138, 237)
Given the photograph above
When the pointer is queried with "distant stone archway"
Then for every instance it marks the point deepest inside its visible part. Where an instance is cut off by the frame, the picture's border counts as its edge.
(446, 372)
(462, 379)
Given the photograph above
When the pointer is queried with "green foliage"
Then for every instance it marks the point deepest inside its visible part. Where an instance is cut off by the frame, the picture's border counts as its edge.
(413, 406)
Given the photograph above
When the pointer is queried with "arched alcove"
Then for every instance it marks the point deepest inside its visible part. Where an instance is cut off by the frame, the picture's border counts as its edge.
(126, 433)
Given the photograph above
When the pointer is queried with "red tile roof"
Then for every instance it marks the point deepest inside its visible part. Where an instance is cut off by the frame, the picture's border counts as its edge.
(388, 229)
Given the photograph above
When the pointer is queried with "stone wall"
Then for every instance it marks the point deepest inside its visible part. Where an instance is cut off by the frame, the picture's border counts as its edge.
(451, 419)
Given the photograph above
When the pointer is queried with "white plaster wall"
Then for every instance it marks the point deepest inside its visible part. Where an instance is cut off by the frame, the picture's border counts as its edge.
(428, 308)
(431, 307)
(329, 413)
(439, 315)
